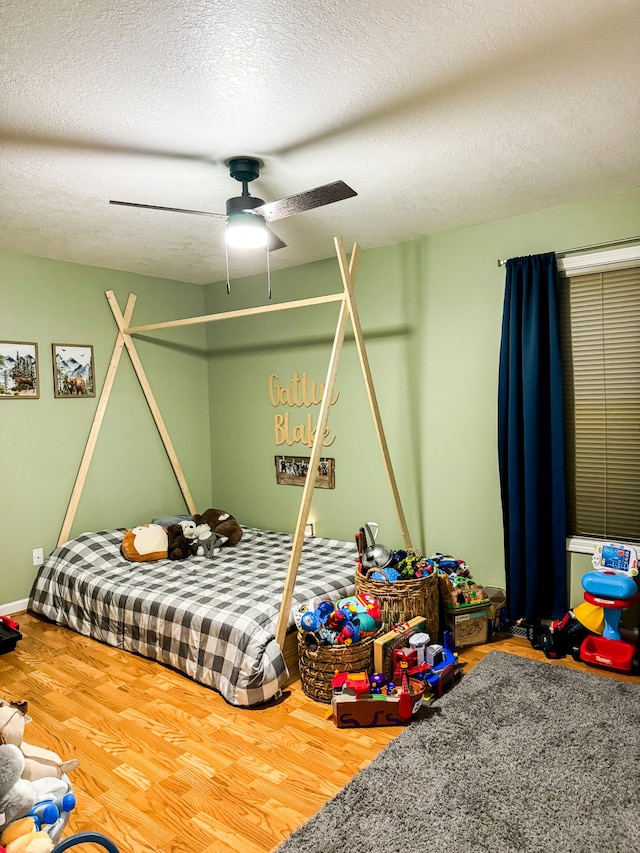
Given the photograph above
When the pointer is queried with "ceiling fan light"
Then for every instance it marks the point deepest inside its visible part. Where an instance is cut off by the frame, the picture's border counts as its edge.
(246, 231)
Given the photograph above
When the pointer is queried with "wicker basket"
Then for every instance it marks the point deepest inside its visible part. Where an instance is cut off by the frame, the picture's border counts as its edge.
(401, 600)
(319, 665)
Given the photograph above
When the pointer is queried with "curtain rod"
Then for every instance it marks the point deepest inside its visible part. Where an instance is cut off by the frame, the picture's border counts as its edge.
(501, 263)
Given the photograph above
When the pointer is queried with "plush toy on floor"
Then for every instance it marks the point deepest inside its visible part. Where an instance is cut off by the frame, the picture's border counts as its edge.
(21, 836)
(38, 762)
(17, 795)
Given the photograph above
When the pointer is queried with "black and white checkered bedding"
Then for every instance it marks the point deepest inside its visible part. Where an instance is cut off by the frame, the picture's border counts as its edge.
(213, 620)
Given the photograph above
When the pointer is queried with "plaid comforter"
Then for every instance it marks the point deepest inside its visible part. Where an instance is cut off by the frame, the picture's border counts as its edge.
(213, 620)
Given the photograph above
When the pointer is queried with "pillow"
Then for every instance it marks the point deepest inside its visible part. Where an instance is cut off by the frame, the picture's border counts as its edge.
(168, 520)
(145, 543)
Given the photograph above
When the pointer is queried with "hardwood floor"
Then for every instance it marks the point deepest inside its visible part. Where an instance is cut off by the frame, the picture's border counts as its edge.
(167, 765)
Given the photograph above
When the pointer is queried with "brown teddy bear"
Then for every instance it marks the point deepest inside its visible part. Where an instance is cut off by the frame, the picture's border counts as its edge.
(181, 538)
(222, 524)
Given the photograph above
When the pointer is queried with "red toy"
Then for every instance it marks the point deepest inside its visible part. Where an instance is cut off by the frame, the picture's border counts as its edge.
(9, 634)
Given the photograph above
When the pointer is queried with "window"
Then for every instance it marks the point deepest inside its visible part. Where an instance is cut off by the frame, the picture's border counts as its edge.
(600, 338)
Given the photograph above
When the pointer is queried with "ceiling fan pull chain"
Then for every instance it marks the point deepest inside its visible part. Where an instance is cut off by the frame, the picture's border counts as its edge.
(268, 271)
(226, 262)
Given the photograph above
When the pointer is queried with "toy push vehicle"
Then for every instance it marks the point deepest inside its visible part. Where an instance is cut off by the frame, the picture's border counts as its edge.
(591, 631)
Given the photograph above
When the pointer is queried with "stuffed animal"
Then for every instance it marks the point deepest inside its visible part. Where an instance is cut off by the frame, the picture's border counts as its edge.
(206, 542)
(222, 524)
(54, 801)
(38, 762)
(181, 538)
(144, 543)
(21, 836)
(17, 795)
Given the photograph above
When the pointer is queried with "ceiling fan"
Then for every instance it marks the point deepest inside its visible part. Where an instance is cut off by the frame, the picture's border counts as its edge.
(247, 215)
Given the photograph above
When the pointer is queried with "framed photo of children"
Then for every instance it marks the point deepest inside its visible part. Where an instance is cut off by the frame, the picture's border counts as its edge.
(73, 371)
(292, 471)
(19, 371)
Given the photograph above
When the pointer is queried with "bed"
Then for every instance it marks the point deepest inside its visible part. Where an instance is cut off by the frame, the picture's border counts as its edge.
(214, 620)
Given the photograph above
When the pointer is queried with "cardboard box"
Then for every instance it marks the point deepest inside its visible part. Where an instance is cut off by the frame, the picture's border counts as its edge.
(396, 638)
(470, 627)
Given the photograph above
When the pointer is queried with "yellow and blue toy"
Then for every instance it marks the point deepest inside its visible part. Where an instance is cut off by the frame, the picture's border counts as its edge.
(612, 587)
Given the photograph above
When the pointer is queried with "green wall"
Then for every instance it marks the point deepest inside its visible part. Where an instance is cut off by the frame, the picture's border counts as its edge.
(130, 478)
(464, 311)
(431, 312)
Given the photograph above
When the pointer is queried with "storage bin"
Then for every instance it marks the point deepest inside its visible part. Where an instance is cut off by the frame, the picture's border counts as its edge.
(402, 600)
(319, 665)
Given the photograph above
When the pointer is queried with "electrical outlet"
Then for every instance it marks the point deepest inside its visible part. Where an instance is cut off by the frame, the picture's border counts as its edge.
(38, 556)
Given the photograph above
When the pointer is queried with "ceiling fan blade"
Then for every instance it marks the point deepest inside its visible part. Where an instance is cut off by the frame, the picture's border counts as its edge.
(326, 194)
(170, 209)
(274, 242)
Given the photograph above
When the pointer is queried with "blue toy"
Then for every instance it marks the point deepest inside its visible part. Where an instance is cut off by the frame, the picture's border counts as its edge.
(48, 812)
(323, 623)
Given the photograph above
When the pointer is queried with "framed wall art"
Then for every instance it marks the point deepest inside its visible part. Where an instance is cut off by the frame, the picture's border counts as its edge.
(292, 471)
(19, 378)
(73, 371)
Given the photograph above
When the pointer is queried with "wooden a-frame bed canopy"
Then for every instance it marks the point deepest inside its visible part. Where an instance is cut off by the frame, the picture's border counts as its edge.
(348, 308)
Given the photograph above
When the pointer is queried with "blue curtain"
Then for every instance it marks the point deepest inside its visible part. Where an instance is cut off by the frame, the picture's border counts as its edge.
(531, 441)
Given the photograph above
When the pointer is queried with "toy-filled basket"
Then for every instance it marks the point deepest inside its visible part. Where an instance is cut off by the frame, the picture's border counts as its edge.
(319, 664)
(401, 600)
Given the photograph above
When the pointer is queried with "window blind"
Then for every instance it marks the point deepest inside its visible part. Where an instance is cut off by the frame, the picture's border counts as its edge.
(600, 340)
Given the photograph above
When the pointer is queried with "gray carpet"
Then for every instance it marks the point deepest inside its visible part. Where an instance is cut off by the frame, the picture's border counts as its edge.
(520, 756)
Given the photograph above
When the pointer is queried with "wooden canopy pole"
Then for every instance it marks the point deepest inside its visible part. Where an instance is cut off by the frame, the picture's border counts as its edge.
(151, 401)
(347, 279)
(81, 477)
(240, 312)
(314, 460)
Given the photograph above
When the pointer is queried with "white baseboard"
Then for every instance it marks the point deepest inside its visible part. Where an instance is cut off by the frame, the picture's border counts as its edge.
(12, 607)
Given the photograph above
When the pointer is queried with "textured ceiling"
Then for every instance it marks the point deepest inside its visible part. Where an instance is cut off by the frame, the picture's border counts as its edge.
(439, 114)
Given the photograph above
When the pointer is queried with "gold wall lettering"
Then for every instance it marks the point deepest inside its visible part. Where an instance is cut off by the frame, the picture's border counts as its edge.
(298, 393)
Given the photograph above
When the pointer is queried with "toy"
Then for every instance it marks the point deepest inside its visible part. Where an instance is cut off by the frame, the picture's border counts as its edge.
(322, 623)
(419, 643)
(145, 543)
(396, 638)
(206, 543)
(222, 524)
(412, 564)
(180, 538)
(590, 632)
(9, 634)
(358, 701)
(21, 836)
(336, 618)
(365, 612)
(349, 633)
(54, 801)
(441, 675)
(17, 795)
(38, 762)
(611, 586)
